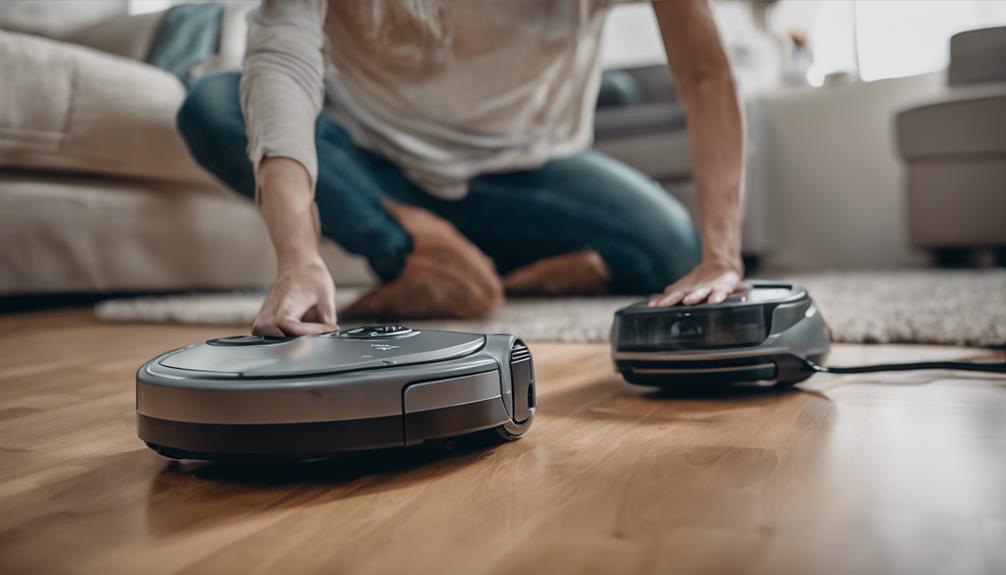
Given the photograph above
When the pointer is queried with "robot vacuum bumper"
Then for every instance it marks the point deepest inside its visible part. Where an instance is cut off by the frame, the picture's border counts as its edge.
(310, 397)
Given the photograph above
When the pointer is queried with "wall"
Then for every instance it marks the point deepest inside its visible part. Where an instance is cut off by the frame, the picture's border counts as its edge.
(834, 174)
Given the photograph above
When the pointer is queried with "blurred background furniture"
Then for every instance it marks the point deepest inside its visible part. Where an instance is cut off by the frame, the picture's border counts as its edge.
(954, 148)
(98, 194)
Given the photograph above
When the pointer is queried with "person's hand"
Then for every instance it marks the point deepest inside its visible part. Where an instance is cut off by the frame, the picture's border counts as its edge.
(710, 281)
(300, 302)
(445, 276)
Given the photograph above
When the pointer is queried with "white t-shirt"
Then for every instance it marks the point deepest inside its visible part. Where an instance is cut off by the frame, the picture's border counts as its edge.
(446, 89)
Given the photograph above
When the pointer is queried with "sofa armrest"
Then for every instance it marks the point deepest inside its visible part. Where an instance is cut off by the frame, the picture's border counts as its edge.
(962, 120)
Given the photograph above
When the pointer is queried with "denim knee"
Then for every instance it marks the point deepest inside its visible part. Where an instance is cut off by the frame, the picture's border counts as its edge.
(651, 259)
(212, 125)
(212, 108)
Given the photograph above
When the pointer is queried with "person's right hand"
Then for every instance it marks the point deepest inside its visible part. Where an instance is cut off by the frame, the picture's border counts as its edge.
(300, 302)
(445, 276)
(302, 299)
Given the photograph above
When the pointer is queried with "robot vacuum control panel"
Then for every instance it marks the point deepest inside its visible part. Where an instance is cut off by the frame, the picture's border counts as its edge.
(377, 331)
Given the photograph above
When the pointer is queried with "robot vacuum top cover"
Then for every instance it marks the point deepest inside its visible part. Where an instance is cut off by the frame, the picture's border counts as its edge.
(744, 318)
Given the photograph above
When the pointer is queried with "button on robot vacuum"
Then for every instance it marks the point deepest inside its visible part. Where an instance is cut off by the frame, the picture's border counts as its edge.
(377, 331)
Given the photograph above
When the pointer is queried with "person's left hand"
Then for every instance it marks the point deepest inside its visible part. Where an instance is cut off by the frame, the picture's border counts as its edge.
(711, 280)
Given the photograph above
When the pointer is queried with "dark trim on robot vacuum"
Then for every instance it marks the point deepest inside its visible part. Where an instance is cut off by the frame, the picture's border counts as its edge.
(289, 439)
(454, 420)
(783, 368)
(312, 440)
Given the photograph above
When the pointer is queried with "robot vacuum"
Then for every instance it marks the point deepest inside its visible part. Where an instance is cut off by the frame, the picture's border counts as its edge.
(770, 333)
(762, 334)
(311, 397)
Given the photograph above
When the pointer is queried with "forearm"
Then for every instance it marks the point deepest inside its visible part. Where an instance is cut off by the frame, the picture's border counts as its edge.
(705, 84)
(281, 96)
(717, 140)
(286, 198)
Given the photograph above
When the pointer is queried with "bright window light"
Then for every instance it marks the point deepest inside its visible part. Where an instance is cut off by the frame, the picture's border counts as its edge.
(906, 37)
(893, 38)
(148, 6)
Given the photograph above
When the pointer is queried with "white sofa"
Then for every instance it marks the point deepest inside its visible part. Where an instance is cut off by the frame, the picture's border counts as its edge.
(97, 190)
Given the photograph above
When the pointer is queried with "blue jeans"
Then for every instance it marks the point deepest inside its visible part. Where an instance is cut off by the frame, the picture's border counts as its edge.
(589, 200)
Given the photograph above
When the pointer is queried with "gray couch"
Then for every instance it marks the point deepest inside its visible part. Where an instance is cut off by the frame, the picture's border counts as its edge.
(955, 153)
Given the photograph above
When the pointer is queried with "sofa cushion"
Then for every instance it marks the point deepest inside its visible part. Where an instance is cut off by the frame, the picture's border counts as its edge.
(970, 124)
(85, 234)
(55, 18)
(70, 108)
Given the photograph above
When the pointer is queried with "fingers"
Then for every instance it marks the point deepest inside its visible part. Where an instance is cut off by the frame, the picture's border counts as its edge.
(266, 328)
(697, 295)
(289, 326)
(719, 294)
(325, 312)
(292, 326)
(283, 314)
(670, 298)
(692, 290)
(265, 325)
(691, 295)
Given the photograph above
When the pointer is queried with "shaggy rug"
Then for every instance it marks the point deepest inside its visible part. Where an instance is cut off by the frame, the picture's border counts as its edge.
(915, 306)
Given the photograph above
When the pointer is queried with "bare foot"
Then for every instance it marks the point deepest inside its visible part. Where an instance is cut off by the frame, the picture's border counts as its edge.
(576, 273)
(445, 276)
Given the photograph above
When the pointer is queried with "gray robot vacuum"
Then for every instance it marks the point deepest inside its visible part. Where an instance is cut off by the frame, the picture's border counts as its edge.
(762, 334)
(770, 333)
(311, 397)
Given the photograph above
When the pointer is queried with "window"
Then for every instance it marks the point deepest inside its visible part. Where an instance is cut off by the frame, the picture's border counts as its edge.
(892, 38)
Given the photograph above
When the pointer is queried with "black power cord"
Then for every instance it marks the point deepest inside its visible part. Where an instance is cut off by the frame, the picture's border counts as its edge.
(981, 366)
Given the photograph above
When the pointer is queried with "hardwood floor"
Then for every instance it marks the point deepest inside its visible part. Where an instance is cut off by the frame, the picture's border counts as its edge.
(886, 473)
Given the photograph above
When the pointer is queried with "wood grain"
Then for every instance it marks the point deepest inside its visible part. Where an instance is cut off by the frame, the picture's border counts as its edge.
(886, 473)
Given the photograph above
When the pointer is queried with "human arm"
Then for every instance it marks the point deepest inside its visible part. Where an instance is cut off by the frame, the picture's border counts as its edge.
(281, 97)
(716, 135)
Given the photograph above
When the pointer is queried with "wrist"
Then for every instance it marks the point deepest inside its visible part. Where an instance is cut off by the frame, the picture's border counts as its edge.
(297, 258)
(286, 202)
(724, 259)
(721, 246)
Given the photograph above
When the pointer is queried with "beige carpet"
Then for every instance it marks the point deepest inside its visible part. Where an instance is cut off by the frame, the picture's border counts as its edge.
(917, 306)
